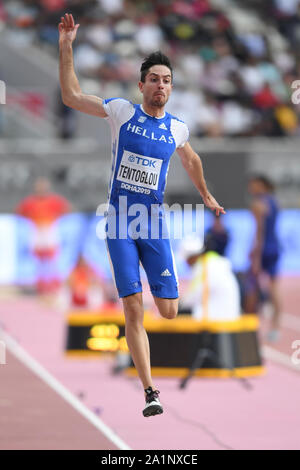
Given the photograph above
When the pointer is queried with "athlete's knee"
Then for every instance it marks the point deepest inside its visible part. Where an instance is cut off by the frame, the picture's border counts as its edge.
(169, 310)
(170, 314)
(133, 322)
(133, 310)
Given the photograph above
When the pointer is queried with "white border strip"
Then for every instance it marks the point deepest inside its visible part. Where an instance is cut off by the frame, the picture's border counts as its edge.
(44, 375)
(279, 357)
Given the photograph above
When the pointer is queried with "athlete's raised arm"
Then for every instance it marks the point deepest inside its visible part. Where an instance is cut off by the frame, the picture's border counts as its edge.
(193, 166)
(72, 95)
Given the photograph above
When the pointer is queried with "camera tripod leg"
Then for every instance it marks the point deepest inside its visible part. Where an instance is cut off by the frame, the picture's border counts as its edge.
(201, 355)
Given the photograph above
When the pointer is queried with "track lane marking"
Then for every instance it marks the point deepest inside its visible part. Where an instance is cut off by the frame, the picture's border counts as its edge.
(61, 390)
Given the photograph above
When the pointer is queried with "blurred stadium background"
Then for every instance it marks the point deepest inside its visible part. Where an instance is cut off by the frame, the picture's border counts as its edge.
(234, 66)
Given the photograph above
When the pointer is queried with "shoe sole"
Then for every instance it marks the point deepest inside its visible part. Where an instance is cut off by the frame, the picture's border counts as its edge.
(152, 411)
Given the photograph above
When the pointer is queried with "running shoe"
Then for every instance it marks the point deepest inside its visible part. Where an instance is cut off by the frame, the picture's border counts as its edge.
(153, 406)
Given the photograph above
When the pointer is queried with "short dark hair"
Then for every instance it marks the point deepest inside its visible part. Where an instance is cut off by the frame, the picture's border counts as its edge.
(156, 58)
(268, 184)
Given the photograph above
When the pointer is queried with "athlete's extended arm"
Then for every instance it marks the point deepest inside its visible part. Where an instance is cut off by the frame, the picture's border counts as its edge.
(193, 166)
(72, 95)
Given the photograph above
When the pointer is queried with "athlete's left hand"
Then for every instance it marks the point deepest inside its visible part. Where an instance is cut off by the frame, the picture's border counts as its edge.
(212, 204)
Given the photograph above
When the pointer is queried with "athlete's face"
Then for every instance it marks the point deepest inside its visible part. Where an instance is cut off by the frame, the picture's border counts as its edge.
(42, 187)
(157, 86)
(256, 188)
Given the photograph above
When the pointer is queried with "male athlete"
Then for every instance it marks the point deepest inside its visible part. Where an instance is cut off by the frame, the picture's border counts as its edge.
(265, 253)
(144, 138)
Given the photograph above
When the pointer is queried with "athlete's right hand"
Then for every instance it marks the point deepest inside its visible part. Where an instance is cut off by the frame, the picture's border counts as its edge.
(212, 204)
(67, 28)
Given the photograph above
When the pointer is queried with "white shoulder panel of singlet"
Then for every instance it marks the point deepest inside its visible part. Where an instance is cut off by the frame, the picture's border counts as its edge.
(180, 132)
(119, 110)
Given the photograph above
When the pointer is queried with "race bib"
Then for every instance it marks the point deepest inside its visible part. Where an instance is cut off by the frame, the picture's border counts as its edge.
(139, 170)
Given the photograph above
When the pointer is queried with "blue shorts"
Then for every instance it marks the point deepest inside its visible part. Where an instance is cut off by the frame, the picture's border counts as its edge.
(269, 263)
(157, 260)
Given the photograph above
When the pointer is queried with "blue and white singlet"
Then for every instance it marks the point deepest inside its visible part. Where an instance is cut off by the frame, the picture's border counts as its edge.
(142, 146)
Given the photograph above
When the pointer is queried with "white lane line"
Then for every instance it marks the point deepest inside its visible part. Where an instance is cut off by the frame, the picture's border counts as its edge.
(43, 374)
(279, 357)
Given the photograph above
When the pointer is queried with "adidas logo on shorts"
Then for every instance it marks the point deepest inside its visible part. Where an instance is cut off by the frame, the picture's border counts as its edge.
(166, 273)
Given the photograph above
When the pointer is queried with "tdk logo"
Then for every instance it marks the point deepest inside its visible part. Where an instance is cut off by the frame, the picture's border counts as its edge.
(142, 161)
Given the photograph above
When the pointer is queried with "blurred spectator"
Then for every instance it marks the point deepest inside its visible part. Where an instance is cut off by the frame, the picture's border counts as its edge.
(44, 208)
(208, 116)
(265, 98)
(266, 250)
(148, 36)
(85, 287)
(287, 14)
(213, 292)
(252, 76)
(217, 236)
(3, 14)
(287, 119)
(112, 7)
(254, 43)
(222, 60)
(236, 119)
(286, 8)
